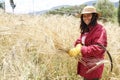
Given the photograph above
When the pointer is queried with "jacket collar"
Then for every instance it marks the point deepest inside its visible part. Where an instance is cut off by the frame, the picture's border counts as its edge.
(91, 27)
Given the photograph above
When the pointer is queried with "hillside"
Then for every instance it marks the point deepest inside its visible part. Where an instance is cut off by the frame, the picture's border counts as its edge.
(116, 4)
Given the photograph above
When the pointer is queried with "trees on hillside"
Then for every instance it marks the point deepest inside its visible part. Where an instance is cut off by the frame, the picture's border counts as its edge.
(69, 10)
(119, 13)
(106, 8)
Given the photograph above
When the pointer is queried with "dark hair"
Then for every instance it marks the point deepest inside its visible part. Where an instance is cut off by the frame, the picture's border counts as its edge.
(83, 27)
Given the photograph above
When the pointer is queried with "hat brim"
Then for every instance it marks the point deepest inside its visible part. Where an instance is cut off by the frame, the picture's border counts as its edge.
(78, 15)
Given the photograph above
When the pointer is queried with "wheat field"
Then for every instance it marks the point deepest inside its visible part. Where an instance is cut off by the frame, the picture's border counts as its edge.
(32, 47)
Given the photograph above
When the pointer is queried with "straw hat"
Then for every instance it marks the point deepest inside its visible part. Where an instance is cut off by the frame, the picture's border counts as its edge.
(88, 9)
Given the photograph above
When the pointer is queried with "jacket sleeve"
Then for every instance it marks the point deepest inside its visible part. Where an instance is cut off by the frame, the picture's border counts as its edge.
(99, 37)
(78, 41)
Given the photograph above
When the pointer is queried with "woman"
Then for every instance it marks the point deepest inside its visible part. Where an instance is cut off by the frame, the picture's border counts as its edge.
(90, 65)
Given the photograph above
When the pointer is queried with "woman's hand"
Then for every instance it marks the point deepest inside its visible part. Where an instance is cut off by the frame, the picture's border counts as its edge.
(75, 51)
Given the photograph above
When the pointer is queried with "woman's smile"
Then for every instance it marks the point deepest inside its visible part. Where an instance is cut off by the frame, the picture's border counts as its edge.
(87, 18)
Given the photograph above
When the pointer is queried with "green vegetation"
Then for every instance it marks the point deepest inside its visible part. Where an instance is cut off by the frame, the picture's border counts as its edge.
(119, 13)
(67, 10)
(107, 10)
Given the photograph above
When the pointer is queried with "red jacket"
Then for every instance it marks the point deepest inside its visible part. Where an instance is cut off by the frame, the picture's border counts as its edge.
(91, 52)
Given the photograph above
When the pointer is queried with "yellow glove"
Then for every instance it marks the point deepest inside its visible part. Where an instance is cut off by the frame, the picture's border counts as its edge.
(75, 51)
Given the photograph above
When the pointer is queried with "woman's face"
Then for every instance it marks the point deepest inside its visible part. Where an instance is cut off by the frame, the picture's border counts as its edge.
(87, 18)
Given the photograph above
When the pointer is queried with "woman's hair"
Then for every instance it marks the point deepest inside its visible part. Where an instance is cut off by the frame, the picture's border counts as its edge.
(84, 28)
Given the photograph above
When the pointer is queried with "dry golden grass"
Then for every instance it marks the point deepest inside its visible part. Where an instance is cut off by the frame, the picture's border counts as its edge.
(32, 47)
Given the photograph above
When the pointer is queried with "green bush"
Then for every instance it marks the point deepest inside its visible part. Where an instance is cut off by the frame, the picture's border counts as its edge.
(107, 9)
(119, 13)
(67, 10)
